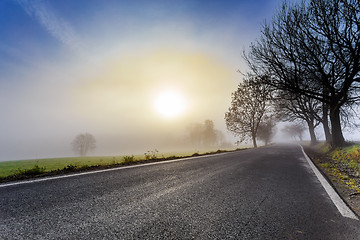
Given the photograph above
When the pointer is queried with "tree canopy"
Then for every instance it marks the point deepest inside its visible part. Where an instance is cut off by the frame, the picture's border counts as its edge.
(249, 106)
(313, 49)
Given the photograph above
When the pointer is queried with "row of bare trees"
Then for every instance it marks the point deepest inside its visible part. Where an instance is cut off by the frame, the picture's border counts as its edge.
(308, 61)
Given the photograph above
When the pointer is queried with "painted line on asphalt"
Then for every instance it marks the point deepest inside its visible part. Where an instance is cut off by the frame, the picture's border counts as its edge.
(105, 170)
(334, 196)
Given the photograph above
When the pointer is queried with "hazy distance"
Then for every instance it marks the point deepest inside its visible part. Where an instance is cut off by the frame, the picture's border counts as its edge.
(112, 69)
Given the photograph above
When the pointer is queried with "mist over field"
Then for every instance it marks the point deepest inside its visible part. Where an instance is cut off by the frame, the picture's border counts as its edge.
(134, 74)
(98, 67)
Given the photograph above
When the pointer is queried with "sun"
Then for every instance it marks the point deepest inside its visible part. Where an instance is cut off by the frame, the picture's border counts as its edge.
(169, 104)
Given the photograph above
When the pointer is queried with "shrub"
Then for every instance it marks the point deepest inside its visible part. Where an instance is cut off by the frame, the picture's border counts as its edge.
(195, 154)
(150, 155)
(325, 148)
(69, 167)
(129, 159)
(35, 170)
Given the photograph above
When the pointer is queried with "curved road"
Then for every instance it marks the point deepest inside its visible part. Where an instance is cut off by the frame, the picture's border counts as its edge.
(265, 193)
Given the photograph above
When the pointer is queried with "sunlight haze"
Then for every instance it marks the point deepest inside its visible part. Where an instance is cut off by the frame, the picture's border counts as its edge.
(134, 74)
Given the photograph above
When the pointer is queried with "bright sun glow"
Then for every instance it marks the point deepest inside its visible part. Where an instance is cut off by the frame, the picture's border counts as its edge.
(169, 104)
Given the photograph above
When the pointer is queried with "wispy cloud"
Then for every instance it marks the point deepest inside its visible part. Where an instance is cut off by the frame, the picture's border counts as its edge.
(55, 25)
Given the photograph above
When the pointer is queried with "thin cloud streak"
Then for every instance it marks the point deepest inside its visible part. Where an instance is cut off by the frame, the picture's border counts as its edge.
(57, 27)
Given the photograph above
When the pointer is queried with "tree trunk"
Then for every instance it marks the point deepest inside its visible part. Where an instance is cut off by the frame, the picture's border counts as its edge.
(312, 132)
(337, 139)
(325, 122)
(254, 140)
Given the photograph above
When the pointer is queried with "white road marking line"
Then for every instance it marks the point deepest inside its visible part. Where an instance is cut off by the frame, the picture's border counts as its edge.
(334, 196)
(103, 170)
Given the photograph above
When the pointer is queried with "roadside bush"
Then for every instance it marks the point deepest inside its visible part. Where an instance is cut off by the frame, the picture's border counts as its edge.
(35, 170)
(325, 148)
(195, 154)
(69, 167)
(150, 155)
(129, 159)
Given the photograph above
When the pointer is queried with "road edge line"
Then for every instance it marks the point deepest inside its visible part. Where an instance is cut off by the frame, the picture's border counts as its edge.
(334, 196)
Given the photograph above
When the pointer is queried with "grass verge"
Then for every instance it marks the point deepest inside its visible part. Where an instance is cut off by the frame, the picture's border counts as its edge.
(26, 169)
(341, 166)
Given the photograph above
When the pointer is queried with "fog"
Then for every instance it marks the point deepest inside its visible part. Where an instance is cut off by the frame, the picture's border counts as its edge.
(98, 68)
(115, 104)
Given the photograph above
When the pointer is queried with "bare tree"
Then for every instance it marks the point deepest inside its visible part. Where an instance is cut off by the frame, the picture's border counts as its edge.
(300, 107)
(313, 49)
(249, 106)
(266, 131)
(83, 143)
(294, 131)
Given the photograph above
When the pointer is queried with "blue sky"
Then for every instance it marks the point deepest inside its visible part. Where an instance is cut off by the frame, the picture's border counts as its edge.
(88, 65)
(45, 29)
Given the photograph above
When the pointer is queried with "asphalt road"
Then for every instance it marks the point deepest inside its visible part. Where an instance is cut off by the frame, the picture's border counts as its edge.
(266, 193)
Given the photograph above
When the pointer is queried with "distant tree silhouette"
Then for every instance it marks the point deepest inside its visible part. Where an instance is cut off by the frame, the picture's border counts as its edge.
(205, 135)
(266, 131)
(209, 134)
(294, 131)
(297, 107)
(83, 143)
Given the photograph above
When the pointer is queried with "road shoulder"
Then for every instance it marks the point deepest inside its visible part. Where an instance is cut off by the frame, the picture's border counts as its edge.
(346, 193)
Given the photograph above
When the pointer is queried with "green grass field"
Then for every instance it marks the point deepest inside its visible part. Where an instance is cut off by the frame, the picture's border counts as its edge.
(11, 168)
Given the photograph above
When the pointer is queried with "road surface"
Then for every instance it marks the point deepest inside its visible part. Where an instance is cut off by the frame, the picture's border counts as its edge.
(265, 193)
